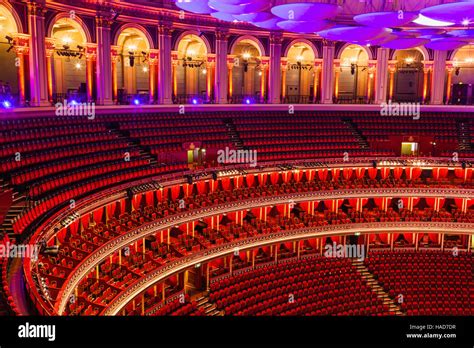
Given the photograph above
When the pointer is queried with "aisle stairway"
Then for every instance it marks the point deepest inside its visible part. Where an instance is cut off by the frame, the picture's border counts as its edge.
(362, 141)
(233, 134)
(210, 308)
(464, 135)
(374, 284)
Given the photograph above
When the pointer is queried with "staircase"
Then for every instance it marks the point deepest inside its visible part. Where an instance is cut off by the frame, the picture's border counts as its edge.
(15, 209)
(362, 141)
(209, 308)
(234, 136)
(464, 135)
(133, 143)
(376, 288)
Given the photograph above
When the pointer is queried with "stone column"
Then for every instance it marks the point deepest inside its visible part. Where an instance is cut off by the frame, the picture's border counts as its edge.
(274, 76)
(221, 77)
(152, 68)
(438, 77)
(164, 64)
(37, 56)
(449, 80)
(91, 57)
(104, 62)
(327, 75)
(21, 49)
(381, 75)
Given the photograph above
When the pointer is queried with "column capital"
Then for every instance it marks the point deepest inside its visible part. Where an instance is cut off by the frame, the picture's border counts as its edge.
(222, 34)
(165, 28)
(153, 56)
(50, 44)
(427, 65)
(276, 38)
(103, 22)
(328, 43)
(21, 43)
(90, 51)
(36, 8)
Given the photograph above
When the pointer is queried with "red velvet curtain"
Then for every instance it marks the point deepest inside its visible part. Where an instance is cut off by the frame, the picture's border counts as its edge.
(322, 174)
(397, 173)
(360, 173)
(347, 173)
(250, 179)
(335, 174)
(372, 173)
(412, 173)
(384, 172)
(440, 173)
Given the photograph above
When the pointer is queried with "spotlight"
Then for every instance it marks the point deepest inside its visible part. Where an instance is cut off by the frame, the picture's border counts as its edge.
(195, 101)
(456, 71)
(465, 22)
(374, 164)
(136, 101)
(131, 59)
(73, 102)
(247, 101)
(9, 38)
(7, 104)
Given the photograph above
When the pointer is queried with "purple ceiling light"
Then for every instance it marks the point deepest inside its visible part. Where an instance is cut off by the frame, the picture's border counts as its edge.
(223, 16)
(270, 24)
(254, 17)
(403, 44)
(386, 19)
(231, 2)
(251, 6)
(462, 34)
(444, 44)
(305, 11)
(304, 26)
(456, 12)
(426, 31)
(196, 6)
(349, 34)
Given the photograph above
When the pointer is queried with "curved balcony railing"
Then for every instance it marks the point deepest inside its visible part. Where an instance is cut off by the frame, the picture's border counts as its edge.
(89, 203)
(204, 256)
(129, 238)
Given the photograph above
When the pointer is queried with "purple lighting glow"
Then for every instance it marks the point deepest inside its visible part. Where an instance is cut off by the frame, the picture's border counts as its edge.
(136, 102)
(6, 104)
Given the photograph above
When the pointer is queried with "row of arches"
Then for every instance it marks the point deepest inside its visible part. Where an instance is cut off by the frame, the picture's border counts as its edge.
(70, 55)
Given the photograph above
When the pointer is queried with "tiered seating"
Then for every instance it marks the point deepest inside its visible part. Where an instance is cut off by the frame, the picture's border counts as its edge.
(7, 306)
(166, 135)
(378, 130)
(178, 308)
(429, 282)
(307, 135)
(138, 261)
(312, 286)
